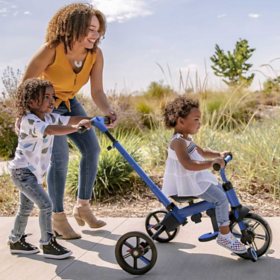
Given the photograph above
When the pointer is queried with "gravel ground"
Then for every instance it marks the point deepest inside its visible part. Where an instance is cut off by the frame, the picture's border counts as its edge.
(140, 202)
(139, 205)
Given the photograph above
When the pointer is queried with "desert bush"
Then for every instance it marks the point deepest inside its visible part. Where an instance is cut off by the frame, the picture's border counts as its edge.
(10, 79)
(228, 111)
(158, 90)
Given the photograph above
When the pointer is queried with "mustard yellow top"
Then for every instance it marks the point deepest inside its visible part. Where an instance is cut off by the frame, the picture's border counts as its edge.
(65, 81)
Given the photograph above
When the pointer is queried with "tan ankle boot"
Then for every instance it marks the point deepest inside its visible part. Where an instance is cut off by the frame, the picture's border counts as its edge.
(62, 228)
(84, 214)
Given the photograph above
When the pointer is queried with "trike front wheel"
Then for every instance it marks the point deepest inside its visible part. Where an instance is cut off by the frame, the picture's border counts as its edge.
(259, 233)
(153, 223)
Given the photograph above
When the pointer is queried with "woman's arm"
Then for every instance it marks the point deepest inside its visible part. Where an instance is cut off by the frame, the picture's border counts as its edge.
(97, 91)
(39, 62)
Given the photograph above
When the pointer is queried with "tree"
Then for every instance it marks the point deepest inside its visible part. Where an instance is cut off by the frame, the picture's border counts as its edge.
(233, 66)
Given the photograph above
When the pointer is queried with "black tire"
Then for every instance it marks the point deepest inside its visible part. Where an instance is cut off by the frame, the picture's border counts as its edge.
(136, 253)
(260, 231)
(152, 224)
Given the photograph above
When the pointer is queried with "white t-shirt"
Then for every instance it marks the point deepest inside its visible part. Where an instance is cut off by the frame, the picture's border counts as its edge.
(34, 149)
(180, 181)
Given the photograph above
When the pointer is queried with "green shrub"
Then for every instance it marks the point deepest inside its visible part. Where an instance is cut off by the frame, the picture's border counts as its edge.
(271, 85)
(158, 90)
(228, 112)
(8, 196)
(8, 137)
(156, 143)
(114, 173)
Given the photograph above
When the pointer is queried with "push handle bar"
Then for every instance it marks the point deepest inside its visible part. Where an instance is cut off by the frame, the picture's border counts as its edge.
(217, 166)
(106, 120)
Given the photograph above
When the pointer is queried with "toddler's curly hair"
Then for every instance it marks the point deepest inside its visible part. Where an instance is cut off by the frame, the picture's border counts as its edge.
(30, 89)
(71, 22)
(179, 107)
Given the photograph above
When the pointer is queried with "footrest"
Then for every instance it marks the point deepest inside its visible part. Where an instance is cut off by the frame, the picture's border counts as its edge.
(208, 236)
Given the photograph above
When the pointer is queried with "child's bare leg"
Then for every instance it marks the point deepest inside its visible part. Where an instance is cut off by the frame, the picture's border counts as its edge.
(224, 229)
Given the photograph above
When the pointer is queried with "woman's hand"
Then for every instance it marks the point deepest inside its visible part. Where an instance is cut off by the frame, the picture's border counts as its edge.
(113, 119)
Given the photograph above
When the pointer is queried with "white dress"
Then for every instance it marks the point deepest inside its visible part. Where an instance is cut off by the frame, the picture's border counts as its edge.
(179, 181)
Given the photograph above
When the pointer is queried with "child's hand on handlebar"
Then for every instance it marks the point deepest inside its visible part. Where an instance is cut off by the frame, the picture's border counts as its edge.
(225, 153)
(220, 161)
(85, 124)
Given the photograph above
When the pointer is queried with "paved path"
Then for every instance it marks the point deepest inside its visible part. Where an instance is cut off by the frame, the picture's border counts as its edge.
(93, 256)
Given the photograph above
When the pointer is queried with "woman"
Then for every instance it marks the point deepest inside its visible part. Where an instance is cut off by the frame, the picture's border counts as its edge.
(68, 59)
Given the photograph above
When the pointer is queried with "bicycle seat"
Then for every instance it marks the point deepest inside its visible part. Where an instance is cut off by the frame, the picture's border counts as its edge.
(183, 198)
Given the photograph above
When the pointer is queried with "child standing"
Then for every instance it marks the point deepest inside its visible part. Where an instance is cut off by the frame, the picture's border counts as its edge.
(35, 102)
(186, 171)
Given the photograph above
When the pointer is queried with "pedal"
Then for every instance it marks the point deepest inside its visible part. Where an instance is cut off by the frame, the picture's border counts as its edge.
(208, 236)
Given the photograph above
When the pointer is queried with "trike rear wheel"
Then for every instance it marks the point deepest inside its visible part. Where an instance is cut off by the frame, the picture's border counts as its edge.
(259, 232)
(136, 252)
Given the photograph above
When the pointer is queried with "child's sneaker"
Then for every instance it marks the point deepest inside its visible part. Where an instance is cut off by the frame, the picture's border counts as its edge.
(55, 251)
(23, 247)
(230, 242)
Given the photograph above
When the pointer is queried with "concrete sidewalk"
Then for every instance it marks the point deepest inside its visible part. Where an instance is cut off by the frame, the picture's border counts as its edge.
(94, 258)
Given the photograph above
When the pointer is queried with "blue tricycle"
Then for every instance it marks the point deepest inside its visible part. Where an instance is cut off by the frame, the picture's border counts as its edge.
(136, 252)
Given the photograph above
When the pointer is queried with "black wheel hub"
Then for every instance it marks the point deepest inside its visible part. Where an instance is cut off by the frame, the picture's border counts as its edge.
(248, 237)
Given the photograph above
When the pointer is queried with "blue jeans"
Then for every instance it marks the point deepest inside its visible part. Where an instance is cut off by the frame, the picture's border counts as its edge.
(88, 146)
(31, 192)
(216, 195)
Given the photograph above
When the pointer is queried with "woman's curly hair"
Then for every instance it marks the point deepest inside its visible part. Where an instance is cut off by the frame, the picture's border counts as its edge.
(71, 22)
(179, 107)
(30, 89)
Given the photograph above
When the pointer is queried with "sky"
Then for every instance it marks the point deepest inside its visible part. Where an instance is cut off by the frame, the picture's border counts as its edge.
(155, 40)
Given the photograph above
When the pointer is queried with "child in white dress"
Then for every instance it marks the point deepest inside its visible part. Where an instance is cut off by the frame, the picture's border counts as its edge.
(187, 167)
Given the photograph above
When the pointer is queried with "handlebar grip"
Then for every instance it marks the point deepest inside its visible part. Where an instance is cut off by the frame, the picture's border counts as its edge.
(107, 120)
(216, 166)
(228, 158)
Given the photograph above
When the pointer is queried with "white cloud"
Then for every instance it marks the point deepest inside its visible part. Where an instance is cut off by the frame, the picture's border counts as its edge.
(252, 15)
(221, 16)
(3, 11)
(189, 68)
(26, 13)
(6, 8)
(122, 10)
